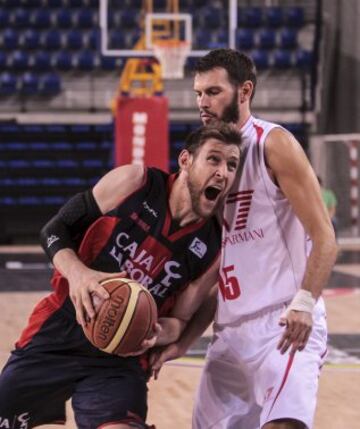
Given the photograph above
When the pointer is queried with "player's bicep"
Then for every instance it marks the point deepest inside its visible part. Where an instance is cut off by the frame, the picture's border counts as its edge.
(116, 185)
(196, 292)
(297, 180)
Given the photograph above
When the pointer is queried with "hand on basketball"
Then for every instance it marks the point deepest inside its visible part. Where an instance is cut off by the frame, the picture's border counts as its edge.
(87, 294)
(148, 343)
(298, 328)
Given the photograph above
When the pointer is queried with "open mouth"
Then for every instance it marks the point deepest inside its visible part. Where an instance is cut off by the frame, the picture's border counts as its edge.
(211, 193)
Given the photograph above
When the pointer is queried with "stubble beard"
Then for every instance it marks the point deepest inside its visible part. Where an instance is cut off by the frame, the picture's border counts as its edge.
(231, 113)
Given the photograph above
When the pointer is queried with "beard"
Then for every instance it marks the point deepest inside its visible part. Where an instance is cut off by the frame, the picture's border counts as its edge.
(195, 197)
(231, 112)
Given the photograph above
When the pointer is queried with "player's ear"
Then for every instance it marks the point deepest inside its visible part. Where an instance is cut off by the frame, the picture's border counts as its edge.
(245, 91)
(184, 159)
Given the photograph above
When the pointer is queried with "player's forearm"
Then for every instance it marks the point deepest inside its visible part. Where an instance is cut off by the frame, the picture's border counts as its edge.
(171, 329)
(68, 264)
(320, 263)
(199, 322)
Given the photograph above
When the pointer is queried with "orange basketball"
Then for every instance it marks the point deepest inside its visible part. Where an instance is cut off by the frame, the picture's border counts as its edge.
(125, 319)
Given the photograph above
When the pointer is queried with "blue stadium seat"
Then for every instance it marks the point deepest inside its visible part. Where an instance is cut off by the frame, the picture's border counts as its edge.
(61, 146)
(80, 129)
(42, 163)
(4, 18)
(261, 59)
(222, 36)
(294, 16)
(85, 60)
(67, 163)
(21, 18)
(39, 146)
(63, 18)
(74, 39)
(3, 60)
(95, 3)
(108, 63)
(84, 18)
(303, 59)
(52, 40)
(117, 39)
(288, 38)
(18, 163)
(41, 18)
(29, 84)
(20, 60)
(53, 201)
(8, 84)
(50, 84)
(129, 18)
(250, 17)
(282, 59)
(203, 38)
(267, 38)
(42, 61)
(31, 39)
(92, 163)
(244, 38)
(93, 39)
(274, 16)
(63, 61)
(10, 40)
(86, 146)
(212, 18)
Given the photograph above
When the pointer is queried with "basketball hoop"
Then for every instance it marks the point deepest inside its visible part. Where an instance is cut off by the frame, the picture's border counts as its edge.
(172, 55)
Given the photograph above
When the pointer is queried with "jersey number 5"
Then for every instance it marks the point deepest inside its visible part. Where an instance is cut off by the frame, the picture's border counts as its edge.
(229, 285)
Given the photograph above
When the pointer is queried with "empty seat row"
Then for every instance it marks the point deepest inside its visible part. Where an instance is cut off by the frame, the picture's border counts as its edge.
(49, 163)
(47, 181)
(58, 146)
(49, 3)
(273, 16)
(247, 38)
(74, 39)
(29, 84)
(42, 61)
(279, 59)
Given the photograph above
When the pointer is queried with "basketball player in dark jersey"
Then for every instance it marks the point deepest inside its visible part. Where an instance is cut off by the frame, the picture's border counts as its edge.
(158, 229)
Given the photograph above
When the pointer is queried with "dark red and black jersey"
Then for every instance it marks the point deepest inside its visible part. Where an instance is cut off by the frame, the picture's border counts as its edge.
(140, 237)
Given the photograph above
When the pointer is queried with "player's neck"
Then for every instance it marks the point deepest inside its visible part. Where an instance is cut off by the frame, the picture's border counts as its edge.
(245, 114)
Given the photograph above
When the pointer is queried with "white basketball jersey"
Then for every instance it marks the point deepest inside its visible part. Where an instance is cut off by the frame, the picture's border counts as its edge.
(264, 244)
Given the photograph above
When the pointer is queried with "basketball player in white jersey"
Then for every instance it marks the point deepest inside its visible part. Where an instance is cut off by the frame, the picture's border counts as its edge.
(279, 247)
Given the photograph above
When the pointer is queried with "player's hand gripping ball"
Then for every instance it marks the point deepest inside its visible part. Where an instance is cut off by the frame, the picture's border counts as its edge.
(124, 320)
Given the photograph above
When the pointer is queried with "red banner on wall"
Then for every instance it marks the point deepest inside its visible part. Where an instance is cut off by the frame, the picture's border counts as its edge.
(141, 132)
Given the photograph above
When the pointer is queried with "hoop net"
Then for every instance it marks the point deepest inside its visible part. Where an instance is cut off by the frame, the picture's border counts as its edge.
(172, 55)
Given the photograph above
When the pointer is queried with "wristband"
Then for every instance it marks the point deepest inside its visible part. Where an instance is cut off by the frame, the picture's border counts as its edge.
(302, 301)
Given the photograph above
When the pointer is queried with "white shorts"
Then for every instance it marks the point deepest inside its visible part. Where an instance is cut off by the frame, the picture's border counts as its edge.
(247, 382)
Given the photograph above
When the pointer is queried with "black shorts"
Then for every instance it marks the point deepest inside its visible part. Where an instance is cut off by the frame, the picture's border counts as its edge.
(37, 381)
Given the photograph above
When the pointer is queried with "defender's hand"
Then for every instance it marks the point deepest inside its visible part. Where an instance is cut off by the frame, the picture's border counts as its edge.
(298, 328)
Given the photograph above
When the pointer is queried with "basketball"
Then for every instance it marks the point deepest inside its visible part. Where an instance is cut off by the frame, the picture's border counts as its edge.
(124, 320)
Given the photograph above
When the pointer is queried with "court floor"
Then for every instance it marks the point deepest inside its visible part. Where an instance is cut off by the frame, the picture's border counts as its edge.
(24, 275)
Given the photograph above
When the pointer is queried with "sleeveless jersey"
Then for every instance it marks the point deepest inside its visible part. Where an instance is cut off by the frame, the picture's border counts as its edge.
(140, 237)
(264, 246)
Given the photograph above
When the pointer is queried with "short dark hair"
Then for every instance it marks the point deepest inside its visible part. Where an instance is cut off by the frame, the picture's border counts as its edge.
(226, 133)
(239, 66)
